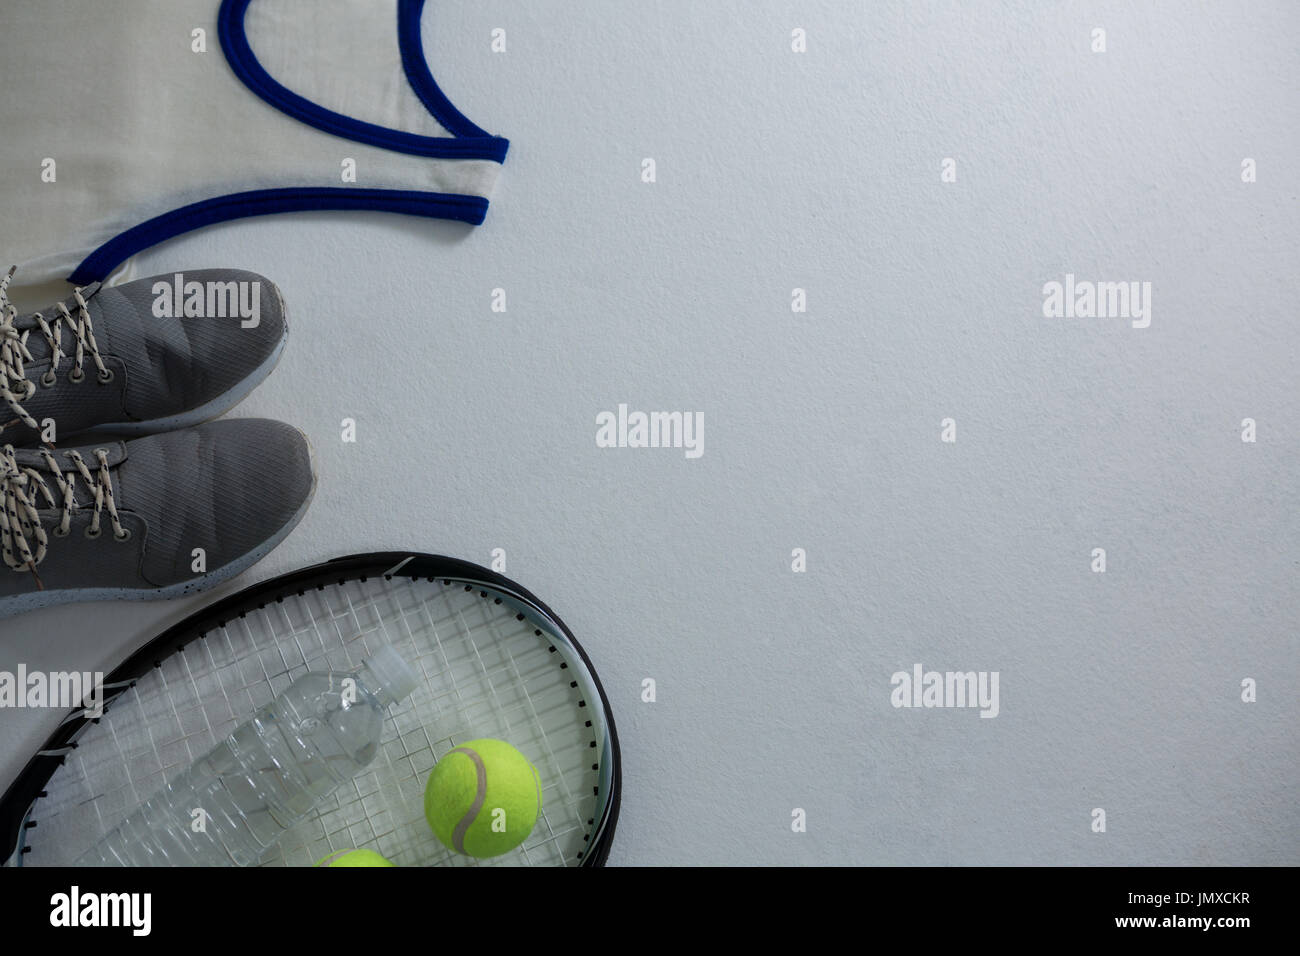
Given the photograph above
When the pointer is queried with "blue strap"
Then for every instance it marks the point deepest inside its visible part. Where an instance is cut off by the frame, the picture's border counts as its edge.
(469, 142)
(260, 202)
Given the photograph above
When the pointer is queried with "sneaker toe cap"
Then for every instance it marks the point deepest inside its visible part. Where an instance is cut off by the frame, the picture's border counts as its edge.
(232, 487)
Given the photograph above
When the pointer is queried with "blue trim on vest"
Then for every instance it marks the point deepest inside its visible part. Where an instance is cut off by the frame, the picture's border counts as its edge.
(470, 142)
(260, 202)
(416, 65)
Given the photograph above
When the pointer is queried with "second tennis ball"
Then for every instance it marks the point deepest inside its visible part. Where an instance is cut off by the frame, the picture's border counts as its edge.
(353, 858)
(483, 798)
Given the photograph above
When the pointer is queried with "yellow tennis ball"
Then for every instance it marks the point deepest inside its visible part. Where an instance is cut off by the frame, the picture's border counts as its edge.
(353, 858)
(483, 798)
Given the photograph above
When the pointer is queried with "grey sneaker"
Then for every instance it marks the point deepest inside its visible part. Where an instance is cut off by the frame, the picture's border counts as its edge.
(155, 517)
(148, 356)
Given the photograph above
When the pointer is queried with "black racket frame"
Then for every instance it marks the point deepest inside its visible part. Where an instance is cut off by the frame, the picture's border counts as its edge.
(29, 786)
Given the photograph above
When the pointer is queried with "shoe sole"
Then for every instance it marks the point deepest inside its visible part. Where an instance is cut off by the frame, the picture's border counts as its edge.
(35, 600)
(197, 416)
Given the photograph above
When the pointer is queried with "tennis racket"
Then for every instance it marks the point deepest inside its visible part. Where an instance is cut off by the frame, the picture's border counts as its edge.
(492, 661)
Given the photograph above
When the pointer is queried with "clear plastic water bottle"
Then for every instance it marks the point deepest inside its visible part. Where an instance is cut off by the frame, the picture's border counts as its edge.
(267, 775)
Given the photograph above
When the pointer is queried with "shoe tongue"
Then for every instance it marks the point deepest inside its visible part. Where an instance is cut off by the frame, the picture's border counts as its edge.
(27, 320)
(85, 495)
(36, 343)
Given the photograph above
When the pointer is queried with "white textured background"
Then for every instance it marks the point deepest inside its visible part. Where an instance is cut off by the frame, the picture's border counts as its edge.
(821, 171)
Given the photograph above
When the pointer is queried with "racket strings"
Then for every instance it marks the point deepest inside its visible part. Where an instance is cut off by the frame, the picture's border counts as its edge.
(498, 666)
(449, 661)
(531, 704)
(486, 669)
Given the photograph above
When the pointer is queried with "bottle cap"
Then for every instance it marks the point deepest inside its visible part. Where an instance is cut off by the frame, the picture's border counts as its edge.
(393, 675)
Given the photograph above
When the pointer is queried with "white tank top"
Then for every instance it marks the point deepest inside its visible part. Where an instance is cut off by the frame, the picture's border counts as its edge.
(145, 138)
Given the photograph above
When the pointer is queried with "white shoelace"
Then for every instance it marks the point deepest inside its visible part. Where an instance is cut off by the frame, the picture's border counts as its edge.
(22, 486)
(14, 386)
